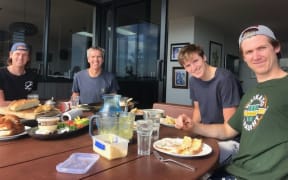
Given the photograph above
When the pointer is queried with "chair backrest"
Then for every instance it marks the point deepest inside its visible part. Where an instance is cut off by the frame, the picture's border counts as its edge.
(174, 110)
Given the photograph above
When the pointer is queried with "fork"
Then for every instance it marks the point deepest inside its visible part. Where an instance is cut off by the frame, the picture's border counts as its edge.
(159, 157)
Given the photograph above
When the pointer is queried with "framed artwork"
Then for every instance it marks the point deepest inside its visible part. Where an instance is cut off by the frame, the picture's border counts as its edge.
(174, 50)
(215, 53)
(232, 63)
(179, 78)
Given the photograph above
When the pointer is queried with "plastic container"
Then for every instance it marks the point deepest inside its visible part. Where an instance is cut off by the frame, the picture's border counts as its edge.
(78, 163)
(47, 125)
(110, 146)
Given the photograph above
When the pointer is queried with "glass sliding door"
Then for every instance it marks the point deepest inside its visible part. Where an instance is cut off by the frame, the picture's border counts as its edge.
(137, 51)
(133, 42)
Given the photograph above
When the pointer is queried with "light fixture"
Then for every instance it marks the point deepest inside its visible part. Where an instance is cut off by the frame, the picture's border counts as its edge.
(84, 33)
(28, 29)
(123, 31)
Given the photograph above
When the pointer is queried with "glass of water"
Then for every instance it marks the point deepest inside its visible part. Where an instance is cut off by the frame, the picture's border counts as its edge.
(155, 115)
(144, 134)
(74, 101)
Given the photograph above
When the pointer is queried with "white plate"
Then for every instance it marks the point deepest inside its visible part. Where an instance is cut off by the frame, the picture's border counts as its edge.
(5, 138)
(163, 122)
(166, 142)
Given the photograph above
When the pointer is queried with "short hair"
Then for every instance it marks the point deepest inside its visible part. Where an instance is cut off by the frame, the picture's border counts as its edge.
(187, 50)
(96, 48)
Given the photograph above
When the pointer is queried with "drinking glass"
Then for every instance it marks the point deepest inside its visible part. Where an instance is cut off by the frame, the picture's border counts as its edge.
(33, 96)
(74, 101)
(144, 134)
(155, 115)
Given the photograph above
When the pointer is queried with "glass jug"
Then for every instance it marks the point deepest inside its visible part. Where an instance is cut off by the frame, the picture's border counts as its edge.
(111, 103)
(121, 124)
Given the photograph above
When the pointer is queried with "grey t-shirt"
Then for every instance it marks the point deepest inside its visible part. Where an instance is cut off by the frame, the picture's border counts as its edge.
(91, 89)
(222, 91)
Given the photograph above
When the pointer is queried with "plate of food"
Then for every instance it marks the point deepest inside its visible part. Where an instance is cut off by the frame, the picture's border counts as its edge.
(168, 121)
(15, 136)
(90, 107)
(182, 147)
(11, 127)
(137, 112)
(64, 129)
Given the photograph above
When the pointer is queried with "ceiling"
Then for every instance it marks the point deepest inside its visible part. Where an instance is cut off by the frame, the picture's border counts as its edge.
(233, 15)
(229, 15)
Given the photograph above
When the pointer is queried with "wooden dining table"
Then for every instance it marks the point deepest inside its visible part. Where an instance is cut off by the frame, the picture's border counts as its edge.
(31, 158)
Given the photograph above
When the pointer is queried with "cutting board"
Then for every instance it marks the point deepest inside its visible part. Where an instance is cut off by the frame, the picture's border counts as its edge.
(26, 114)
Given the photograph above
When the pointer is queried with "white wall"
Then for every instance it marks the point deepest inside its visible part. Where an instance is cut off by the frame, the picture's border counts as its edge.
(206, 32)
(180, 30)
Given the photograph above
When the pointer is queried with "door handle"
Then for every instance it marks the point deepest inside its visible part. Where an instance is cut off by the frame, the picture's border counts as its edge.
(160, 69)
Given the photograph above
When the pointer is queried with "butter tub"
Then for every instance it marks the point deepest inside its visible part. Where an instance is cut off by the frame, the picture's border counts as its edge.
(110, 146)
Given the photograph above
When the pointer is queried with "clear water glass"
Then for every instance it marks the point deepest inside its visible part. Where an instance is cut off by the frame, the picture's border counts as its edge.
(144, 134)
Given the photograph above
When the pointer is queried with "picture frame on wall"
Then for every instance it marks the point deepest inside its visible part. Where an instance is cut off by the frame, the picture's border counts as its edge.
(174, 50)
(215, 54)
(179, 78)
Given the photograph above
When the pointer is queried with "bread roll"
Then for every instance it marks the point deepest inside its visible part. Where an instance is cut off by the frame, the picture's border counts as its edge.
(43, 108)
(186, 143)
(170, 120)
(197, 145)
(23, 104)
(190, 146)
(10, 125)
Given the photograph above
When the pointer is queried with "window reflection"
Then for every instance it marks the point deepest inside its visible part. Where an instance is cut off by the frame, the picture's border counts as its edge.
(22, 22)
(70, 33)
(70, 36)
(137, 50)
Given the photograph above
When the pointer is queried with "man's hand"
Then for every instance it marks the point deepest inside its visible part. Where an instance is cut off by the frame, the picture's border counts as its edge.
(184, 122)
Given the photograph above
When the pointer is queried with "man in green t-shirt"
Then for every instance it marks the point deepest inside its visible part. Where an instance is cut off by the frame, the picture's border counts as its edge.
(262, 116)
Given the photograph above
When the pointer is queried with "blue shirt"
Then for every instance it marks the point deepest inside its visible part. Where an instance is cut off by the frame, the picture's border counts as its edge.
(222, 91)
(91, 89)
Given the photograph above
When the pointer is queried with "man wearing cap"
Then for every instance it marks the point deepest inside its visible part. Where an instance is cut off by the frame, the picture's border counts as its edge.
(16, 81)
(262, 116)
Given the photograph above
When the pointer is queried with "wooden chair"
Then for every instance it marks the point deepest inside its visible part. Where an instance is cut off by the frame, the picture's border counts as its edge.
(174, 110)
